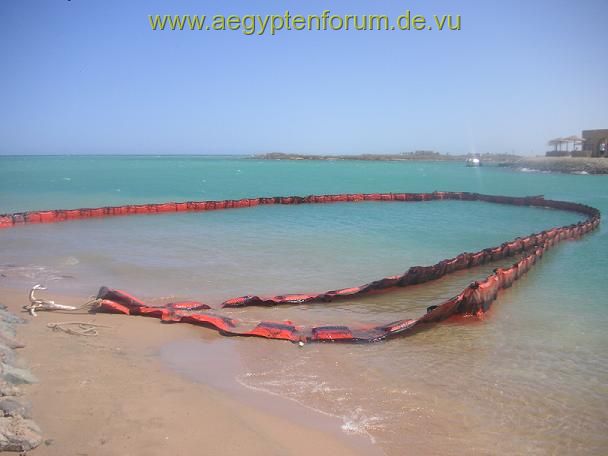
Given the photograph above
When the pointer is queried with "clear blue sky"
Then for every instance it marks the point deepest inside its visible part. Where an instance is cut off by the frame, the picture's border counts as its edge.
(87, 76)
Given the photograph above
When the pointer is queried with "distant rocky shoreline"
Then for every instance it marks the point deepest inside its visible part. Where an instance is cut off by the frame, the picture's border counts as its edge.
(410, 156)
(570, 165)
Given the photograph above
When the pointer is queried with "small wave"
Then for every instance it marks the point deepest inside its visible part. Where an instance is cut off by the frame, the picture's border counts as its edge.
(353, 423)
(240, 380)
(357, 423)
(534, 170)
(32, 273)
(71, 261)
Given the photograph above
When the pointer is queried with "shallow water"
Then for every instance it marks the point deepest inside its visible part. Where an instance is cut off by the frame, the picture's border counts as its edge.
(530, 378)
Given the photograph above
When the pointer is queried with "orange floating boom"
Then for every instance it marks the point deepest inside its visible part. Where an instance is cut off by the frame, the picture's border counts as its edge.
(473, 300)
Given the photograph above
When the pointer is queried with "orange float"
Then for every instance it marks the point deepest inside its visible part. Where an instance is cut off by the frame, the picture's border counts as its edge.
(473, 300)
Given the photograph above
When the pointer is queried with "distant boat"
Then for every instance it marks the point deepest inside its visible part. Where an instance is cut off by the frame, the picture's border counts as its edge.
(472, 162)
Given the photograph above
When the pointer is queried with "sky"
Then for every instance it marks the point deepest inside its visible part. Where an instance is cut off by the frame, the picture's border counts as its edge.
(92, 77)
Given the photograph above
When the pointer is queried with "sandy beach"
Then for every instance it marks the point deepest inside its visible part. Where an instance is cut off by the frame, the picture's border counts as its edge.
(111, 395)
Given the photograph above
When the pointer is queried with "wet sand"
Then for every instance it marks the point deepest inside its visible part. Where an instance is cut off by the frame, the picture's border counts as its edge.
(112, 395)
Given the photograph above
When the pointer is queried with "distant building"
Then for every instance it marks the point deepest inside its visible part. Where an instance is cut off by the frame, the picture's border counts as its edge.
(596, 143)
(561, 147)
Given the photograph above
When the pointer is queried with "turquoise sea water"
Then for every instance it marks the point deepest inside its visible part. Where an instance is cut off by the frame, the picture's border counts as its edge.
(531, 378)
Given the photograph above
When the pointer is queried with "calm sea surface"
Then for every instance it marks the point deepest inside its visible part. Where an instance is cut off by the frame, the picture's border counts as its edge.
(531, 378)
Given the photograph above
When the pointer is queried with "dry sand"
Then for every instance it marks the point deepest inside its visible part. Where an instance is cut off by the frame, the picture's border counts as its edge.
(111, 395)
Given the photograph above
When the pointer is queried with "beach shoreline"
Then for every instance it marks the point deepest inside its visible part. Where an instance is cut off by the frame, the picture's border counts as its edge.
(122, 399)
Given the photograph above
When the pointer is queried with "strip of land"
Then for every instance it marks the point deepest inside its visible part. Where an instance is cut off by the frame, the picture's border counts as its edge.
(572, 165)
(409, 156)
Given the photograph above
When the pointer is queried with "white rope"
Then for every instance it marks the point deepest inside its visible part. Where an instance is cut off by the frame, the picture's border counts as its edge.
(82, 328)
